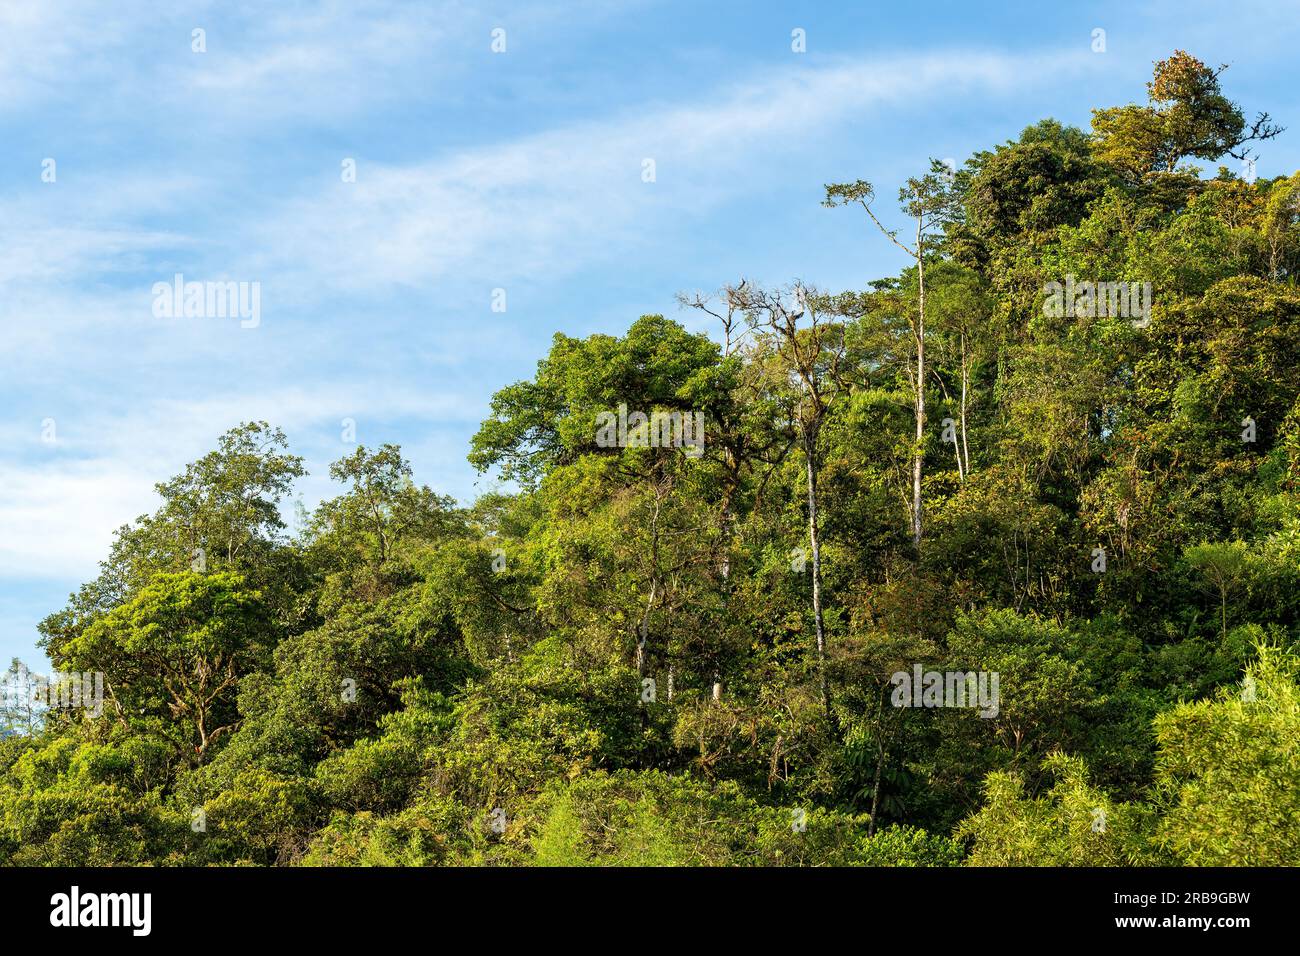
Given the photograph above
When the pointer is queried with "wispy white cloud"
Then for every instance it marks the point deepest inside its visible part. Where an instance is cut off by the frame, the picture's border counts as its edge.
(539, 206)
(293, 60)
(276, 55)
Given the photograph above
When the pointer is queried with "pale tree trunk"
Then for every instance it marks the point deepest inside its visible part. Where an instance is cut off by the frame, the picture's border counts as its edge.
(725, 570)
(643, 630)
(965, 390)
(918, 455)
(815, 546)
(956, 434)
(643, 626)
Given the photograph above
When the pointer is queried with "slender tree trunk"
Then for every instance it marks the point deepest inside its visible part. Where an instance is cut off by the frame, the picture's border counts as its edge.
(724, 528)
(643, 630)
(815, 546)
(881, 753)
(956, 451)
(956, 435)
(643, 626)
(965, 390)
(918, 455)
(875, 790)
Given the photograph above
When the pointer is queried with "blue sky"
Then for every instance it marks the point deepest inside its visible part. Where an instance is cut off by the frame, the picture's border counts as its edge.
(476, 171)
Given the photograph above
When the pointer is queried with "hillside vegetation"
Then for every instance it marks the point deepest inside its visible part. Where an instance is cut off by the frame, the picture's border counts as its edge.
(1062, 447)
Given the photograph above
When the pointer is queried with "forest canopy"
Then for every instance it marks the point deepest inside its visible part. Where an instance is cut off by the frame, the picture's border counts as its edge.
(682, 634)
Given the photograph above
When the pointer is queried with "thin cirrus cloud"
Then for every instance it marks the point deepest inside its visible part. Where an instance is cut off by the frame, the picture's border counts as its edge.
(294, 61)
(534, 207)
(545, 204)
(290, 55)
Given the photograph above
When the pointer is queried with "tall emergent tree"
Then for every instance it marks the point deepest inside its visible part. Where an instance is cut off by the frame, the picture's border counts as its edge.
(933, 203)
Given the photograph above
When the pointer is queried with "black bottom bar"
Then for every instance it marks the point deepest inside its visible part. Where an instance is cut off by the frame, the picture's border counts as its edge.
(930, 907)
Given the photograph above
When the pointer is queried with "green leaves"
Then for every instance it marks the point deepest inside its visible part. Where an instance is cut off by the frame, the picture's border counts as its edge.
(643, 653)
(550, 421)
(1072, 824)
(173, 655)
(1188, 116)
(1229, 770)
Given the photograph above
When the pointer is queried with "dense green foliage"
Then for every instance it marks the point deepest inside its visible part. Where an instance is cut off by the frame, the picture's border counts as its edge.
(670, 655)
